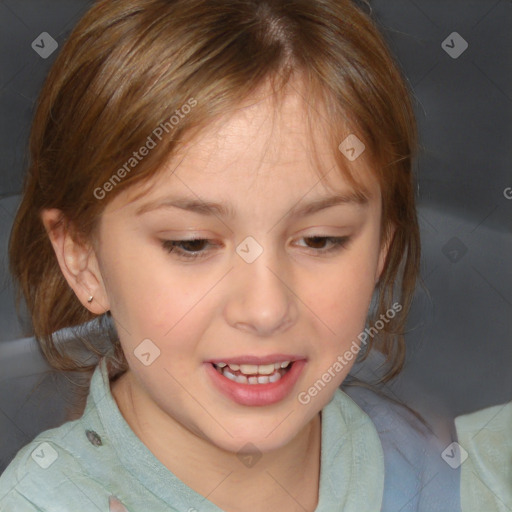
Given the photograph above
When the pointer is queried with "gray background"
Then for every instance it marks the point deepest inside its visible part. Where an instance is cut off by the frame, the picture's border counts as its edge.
(460, 331)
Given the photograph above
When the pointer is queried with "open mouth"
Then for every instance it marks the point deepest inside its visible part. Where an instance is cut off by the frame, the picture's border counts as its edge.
(256, 384)
(254, 374)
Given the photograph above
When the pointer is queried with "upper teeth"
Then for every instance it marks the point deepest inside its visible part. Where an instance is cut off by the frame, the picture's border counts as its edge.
(253, 369)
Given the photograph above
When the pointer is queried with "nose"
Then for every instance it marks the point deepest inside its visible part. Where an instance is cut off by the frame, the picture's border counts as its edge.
(261, 298)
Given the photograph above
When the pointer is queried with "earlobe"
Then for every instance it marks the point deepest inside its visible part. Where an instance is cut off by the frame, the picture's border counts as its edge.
(77, 262)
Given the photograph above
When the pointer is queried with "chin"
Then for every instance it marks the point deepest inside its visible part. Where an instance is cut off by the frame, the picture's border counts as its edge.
(255, 438)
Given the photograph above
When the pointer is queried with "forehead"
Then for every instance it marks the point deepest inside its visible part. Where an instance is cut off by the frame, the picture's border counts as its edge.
(274, 145)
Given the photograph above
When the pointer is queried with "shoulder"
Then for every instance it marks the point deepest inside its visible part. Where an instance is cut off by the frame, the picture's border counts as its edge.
(39, 472)
(486, 445)
(416, 476)
(62, 469)
(494, 421)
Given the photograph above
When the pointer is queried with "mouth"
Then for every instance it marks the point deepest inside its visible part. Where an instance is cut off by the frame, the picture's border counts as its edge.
(253, 373)
(256, 381)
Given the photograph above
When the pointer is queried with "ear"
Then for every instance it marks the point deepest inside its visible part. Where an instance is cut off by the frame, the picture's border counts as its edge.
(77, 261)
(386, 243)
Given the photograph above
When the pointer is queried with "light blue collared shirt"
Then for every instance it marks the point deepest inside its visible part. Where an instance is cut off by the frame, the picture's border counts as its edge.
(375, 456)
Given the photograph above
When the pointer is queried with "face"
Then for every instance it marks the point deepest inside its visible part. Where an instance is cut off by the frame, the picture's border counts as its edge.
(264, 283)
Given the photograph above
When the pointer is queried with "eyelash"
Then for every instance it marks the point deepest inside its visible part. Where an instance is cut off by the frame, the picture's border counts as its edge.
(339, 243)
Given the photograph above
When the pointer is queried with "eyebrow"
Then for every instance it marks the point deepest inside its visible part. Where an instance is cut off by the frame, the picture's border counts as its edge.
(226, 210)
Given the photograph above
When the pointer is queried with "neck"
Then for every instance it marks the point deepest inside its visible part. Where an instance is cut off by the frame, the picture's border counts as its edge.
(222, 476)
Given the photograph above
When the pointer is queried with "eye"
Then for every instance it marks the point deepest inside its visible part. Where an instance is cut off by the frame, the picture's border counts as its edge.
(194, 245)
(337, 243)
(192, 249)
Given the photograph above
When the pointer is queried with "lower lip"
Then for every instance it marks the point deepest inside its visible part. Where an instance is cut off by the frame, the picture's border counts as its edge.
(257, 394)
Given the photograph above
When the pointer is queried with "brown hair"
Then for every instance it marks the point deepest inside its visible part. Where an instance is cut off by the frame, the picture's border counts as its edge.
(129, 65)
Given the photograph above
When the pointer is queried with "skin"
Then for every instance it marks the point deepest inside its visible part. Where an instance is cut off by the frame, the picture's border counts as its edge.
(291, 299)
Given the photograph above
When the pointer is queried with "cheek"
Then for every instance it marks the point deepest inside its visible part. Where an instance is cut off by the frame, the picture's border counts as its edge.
(145, 298)
(162, 302)
(341, 294)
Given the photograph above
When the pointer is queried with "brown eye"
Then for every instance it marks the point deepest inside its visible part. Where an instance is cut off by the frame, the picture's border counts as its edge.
(317, 243)
(188, 249)
(193, 245)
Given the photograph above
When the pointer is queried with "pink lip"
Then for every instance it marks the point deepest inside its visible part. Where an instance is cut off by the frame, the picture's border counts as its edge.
(257, 394)
(271, 358)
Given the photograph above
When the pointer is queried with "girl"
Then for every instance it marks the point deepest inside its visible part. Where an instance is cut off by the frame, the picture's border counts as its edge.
(227, 184)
